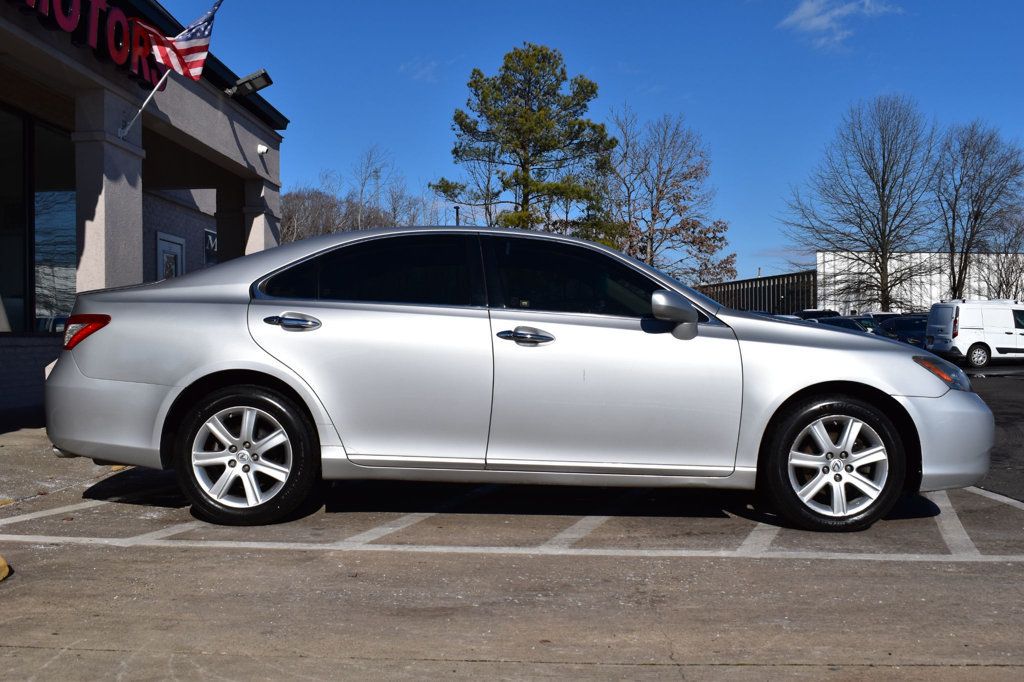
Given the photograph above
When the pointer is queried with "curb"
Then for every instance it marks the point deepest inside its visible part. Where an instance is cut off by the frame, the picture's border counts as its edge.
(5, 570)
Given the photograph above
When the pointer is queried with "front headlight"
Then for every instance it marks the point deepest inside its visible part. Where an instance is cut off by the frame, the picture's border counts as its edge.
(947, 372)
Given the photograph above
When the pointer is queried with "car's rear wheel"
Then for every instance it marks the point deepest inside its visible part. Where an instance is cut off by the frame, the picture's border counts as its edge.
(835, 463)
(246, 455)
(977, 355)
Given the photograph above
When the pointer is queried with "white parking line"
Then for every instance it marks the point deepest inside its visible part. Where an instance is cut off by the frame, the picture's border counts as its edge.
(759, 540)
(520, 551)
(161, 534)
(576, 531)
(1016, 504)
(398, 524)
(52, 512)
(385, 529)
(953, 533)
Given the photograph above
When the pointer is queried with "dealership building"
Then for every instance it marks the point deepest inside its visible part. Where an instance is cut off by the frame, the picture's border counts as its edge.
(85, 204)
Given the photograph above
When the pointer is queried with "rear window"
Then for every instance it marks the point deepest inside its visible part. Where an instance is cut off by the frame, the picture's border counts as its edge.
(940, 315)
(417, 269)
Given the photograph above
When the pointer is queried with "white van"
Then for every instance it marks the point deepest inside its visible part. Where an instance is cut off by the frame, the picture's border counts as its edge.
(976, 331)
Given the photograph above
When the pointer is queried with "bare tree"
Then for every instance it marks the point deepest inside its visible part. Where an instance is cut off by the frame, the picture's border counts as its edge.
(977, 182)
(1003, 273)
(310, 211)
(371, 173)
(659, 192)
(868, 201)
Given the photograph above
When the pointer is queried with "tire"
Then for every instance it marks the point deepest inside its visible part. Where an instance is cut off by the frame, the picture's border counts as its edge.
(978, 355)
(253, 484)
(797, 455)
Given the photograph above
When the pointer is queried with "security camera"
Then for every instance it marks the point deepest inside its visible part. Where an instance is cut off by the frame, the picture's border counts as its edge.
(262, 149)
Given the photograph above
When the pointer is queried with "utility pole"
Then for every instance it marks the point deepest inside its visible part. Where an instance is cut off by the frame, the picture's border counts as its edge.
(456, 216)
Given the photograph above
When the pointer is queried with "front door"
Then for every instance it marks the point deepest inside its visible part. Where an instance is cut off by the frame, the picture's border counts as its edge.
(393, 336)
(585, 380)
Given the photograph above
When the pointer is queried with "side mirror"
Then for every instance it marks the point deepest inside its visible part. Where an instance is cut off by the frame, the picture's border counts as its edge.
(673, 307)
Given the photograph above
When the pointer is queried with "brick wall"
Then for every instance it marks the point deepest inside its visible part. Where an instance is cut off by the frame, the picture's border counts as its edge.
(22, 359)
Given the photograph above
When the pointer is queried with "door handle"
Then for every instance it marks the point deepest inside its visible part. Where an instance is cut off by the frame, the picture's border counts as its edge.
(526, 335)
(292, 322)
(1008, 333)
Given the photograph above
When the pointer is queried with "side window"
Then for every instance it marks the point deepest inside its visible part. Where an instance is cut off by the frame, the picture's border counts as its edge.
(1018, 319)
(534, 274)
(415, 269)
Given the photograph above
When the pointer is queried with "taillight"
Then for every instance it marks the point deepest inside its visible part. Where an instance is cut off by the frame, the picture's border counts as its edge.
(956, 322)
(80, 326)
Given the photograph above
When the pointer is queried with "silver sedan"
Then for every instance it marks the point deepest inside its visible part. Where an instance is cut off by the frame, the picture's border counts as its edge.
(502, 356)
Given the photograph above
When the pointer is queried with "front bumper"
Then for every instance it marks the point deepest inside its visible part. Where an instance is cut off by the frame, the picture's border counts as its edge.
(102, 419)
(957, 432)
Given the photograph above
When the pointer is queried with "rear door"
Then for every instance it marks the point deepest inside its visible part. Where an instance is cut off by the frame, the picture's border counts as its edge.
(392, 334)
(940, 324)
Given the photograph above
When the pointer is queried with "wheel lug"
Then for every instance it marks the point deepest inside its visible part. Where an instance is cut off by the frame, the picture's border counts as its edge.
(245, 444)
(838, 477)
(824, 470)
(255, 457)
(829, 455)
(232, 449)
(245, 468)
(849, 467)
(843, 455)
(232, 462)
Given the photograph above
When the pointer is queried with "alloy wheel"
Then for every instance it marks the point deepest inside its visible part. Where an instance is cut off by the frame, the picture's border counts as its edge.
(838, 465)
(241, 457)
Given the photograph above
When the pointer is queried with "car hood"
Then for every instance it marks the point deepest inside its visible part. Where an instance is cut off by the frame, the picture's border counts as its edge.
(751, 327)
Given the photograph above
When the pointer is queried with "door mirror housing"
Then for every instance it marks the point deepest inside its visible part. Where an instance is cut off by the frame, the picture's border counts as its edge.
(674, 307)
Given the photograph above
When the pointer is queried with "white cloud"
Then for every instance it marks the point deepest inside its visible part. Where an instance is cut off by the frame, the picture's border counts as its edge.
(423, 70)
(827, 22)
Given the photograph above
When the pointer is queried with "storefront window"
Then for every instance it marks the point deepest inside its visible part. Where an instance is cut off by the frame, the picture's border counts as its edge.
(13, 220)
(55, 243)
(37, 225)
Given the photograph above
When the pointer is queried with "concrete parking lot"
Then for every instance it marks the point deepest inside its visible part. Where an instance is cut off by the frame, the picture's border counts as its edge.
(113, 578)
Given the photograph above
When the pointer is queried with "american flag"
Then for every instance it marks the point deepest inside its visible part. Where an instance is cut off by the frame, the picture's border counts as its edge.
(185, 52)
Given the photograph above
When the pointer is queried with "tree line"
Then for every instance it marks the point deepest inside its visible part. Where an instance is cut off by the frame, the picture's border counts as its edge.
(531, 158)
(891, 183)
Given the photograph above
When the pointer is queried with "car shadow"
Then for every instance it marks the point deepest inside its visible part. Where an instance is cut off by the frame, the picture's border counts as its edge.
(146, 487)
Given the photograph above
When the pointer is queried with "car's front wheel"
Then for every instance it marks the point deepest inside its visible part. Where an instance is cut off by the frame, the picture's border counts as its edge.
(834, 463)
(246, 455)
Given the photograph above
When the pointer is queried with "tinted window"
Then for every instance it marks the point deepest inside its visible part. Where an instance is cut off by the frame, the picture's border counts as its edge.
(1018, 319)
(534, 274)
(421, 269)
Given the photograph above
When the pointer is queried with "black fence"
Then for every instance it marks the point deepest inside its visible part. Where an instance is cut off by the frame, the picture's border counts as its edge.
(777, 294)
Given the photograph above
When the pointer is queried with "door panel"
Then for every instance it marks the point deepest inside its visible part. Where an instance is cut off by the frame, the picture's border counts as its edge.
(401, 383)
(1000, 334)
(392, 334)
(614, 394)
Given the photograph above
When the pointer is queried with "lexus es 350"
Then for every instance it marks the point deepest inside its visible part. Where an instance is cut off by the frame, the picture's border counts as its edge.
(485, 355)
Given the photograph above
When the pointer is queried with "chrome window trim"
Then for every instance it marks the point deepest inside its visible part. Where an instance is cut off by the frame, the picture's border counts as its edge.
(257, 294)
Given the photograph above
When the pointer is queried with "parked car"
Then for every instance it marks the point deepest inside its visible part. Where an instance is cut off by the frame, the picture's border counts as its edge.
(976, 331)
(502, 356)
(842, 323)
(815, 313)
(905, 328)
(867, 321)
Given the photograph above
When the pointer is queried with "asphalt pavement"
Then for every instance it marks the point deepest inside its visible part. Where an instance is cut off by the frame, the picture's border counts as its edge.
(115, 579)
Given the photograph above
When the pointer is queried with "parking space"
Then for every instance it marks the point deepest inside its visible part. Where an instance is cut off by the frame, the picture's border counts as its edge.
(114, 576)
(962, 526)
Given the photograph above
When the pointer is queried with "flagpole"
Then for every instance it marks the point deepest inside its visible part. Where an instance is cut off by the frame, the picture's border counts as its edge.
(122, 132)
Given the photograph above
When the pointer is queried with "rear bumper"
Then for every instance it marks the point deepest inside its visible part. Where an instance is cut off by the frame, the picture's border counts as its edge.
(946, 349)
(102, 419)
(957, 432)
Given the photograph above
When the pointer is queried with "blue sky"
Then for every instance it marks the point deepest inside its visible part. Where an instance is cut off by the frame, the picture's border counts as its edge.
(764, 81)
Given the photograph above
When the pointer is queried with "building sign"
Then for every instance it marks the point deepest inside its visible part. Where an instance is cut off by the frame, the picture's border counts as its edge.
(210, 243)
(104, 28)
